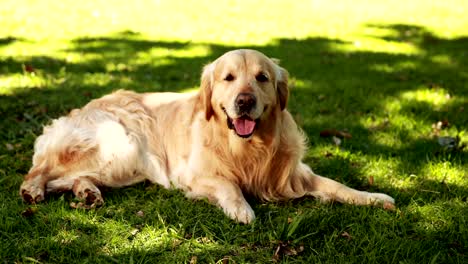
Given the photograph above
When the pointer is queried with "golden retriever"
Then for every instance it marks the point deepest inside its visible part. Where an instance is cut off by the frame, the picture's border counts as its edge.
(233, 136)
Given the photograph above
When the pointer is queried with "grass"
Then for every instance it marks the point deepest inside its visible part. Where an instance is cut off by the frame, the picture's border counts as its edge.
(385, 71)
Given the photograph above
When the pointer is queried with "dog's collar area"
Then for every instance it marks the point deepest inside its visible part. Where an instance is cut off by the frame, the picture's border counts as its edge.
(243, 126)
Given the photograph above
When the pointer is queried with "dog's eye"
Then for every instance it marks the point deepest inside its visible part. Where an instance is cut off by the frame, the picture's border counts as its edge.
(229, 77)
(261, 77)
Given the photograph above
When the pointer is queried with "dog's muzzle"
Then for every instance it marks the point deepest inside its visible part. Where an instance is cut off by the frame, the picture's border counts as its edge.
(244, 126)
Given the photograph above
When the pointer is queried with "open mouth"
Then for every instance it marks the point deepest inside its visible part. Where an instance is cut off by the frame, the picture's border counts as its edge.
(244, 126)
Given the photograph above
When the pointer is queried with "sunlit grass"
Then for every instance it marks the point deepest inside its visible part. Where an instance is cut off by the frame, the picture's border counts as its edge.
(437, 98)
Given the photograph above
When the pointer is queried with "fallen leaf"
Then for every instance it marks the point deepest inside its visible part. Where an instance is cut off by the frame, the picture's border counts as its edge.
(346, 235)
(176, 243)
(30, 211)
(194, 260)
(29, 68)
(371, 180)
(276, 255)
(225, 260)
(134, 232)
(290, 220)
(286, 249)
(204, 240)
(140, 213)
(444, 123)
(81, 205)
(9, 146)
(336, 140)
(334, 132)
(437, 127)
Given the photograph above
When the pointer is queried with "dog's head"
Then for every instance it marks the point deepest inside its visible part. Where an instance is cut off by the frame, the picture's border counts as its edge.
(243, 87)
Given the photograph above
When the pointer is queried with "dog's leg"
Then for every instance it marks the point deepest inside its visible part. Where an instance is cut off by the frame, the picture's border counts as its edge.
(85, 190)
(225, 194)
(329, 190)
(32, 189)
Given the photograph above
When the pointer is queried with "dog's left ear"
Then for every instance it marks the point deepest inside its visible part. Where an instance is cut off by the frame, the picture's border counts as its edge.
(206, 90)
(282, 88)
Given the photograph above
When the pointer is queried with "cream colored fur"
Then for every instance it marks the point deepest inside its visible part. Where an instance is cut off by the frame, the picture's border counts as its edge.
(183, 141)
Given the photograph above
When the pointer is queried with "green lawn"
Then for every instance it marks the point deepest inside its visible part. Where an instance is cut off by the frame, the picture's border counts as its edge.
(385, 71)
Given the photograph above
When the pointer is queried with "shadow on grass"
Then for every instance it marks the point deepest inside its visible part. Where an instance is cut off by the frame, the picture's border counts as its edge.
(9, 40)
(334, 89)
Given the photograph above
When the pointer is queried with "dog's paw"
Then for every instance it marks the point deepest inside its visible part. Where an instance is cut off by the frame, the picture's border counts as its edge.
(240, 212)
(382, 200)
(31, 193)
(89, 199)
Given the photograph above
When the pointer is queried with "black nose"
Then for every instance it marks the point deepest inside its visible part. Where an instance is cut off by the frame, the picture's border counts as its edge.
(245, 102)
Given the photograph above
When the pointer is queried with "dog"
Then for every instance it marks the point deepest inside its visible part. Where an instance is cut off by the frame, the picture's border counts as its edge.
(233, 136)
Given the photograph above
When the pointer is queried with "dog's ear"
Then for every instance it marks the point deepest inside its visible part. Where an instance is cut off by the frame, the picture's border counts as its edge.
(206, 90)
(282, 88)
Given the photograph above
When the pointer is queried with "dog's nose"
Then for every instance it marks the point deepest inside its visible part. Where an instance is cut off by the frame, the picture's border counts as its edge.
(245, 102)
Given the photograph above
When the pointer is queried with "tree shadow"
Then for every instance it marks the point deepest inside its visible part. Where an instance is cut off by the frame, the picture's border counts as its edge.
(9, 40)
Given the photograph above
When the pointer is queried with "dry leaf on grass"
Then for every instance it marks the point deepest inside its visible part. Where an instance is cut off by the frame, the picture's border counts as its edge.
(29, 68)
(286, 249)
(437, 127)
(371, 180)
(30, 211)
(346, 235)
(140, 213)
(336, 140)
(82, 205)
(224, 260)
(135, 231)
(335, 133)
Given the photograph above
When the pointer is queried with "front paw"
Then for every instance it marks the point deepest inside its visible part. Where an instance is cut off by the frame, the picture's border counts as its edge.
(239, 211)
(89, 199)
(31, 193)
(382, 200)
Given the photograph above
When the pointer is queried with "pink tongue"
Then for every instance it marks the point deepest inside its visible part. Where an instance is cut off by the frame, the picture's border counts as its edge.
(244, 126)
